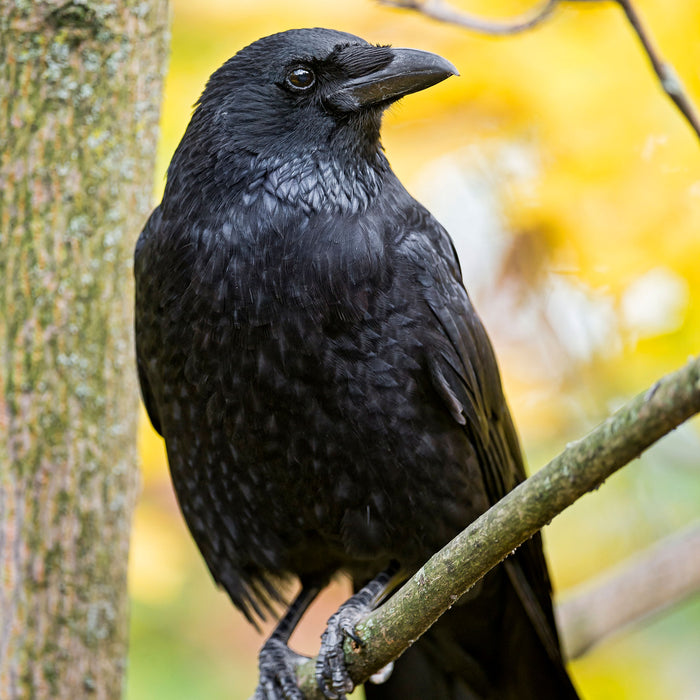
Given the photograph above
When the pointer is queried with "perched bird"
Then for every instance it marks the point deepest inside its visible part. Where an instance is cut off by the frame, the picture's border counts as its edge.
(329, 399)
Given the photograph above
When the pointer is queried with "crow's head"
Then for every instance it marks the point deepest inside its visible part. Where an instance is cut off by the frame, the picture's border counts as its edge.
(302, 89)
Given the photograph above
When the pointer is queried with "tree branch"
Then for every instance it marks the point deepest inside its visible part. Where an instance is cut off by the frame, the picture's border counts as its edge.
(668, 79)
(651, 581)
(444, 12)
(584, 465)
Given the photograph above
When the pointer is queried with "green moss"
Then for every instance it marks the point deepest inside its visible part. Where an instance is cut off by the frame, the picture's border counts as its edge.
(53, 559)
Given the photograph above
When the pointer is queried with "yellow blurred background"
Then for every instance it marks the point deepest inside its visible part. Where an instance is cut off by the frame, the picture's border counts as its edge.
(572, 189)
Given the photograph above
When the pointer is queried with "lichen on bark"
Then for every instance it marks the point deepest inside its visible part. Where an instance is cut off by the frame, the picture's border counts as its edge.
(80, 89)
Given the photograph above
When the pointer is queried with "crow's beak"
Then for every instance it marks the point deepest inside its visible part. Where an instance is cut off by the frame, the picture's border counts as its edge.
(409, 70)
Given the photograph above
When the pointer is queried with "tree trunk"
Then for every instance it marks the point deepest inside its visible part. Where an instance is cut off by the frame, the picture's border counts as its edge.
(80, 86)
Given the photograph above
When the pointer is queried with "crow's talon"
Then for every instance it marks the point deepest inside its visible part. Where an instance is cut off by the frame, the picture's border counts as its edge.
(278, 679)
(357, 641)
(331, 674)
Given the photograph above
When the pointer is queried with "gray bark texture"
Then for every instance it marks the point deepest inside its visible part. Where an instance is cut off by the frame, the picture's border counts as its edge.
(80, 87)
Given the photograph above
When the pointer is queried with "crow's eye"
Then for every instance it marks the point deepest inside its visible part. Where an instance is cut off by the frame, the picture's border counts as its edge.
(301, 78)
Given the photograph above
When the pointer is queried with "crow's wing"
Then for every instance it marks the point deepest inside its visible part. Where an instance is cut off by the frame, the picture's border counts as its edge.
(140, 270)
(464, 371)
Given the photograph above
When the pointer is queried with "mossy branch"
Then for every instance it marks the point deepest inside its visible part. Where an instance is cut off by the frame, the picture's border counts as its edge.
(581, 467)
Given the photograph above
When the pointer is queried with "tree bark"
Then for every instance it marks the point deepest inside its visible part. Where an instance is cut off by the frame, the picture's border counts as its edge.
(80, 86)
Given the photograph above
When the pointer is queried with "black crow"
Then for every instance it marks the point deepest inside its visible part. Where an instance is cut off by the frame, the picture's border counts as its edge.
(329, 399)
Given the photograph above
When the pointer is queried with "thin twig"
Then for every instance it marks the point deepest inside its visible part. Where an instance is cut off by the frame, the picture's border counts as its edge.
(652, 580)
(443, 12)
(584, 465)
(670, 82)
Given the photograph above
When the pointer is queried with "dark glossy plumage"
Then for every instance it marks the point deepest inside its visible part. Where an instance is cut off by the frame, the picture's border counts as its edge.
(328, 396)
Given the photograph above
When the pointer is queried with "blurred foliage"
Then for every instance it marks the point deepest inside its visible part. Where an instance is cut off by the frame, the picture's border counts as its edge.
(572, 189)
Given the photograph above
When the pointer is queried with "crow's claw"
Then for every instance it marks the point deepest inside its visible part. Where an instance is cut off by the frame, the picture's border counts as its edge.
(278, 679)
(331, 674)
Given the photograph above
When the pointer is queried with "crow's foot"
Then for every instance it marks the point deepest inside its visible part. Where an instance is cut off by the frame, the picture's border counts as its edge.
(331, 674)
(278, 679)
